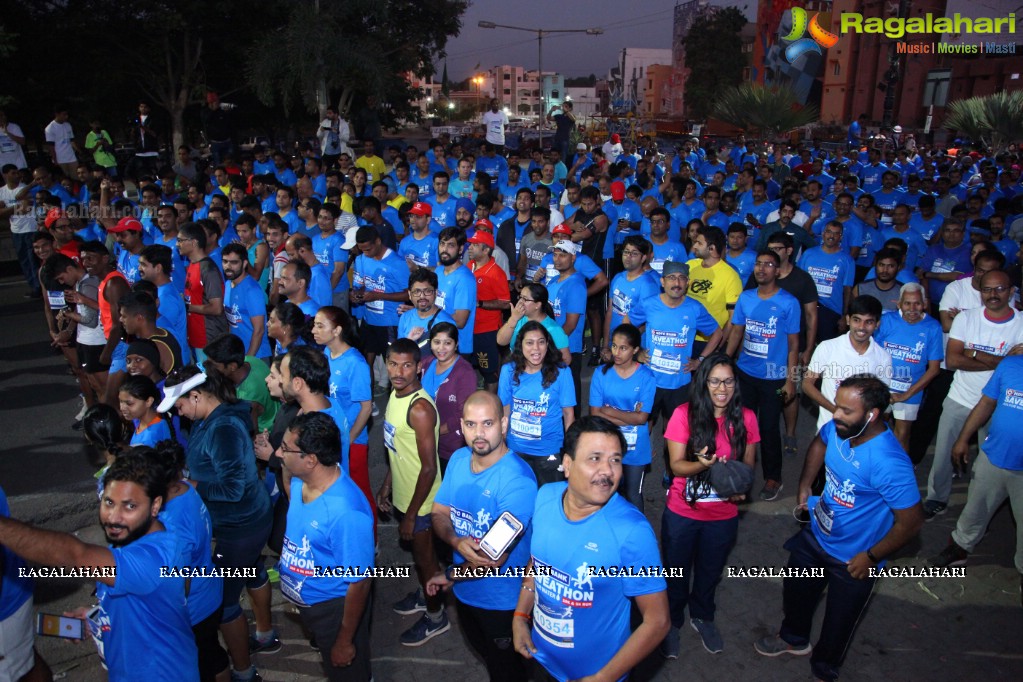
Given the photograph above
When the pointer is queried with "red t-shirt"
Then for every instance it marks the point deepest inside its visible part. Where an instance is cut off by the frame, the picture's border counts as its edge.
(712, 507)
(491, 284)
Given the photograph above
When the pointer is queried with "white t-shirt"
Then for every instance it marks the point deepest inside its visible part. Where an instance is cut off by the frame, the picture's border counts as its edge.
(60, 134)
(495, 123)
(961, 295)
(836, 359)
(11, 151)
(977, 332)
(20, 224)
(612, 151)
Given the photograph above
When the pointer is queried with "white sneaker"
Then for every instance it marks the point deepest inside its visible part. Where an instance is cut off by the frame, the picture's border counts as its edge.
(376, 410)
(84, 408)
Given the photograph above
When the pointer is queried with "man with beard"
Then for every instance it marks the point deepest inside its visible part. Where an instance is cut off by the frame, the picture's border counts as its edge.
(416, 324)
(884, 287)
(583, 527)
(456, 287)
(870, 508)
(137, 605)
(483, 481)
(244, 304)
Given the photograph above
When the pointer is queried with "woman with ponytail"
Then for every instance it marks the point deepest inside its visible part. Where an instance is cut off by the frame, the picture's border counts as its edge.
(138, 398)
(105, 430)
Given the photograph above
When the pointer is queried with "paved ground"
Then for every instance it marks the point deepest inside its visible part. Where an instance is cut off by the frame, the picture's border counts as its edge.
(951, 629)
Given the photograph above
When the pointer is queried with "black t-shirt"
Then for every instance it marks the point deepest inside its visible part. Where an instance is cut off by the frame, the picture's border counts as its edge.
(801, 285)
(565, 125)
(593, 246)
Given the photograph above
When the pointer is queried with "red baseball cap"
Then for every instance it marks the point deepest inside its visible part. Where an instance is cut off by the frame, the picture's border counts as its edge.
(126, 223)
(421, 208)
(485, 224)
(563, 228)
(482, 237)
(52, 216)
(616, 138)
(617, 191)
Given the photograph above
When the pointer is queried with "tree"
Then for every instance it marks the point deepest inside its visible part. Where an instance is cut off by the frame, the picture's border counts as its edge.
(524, 108)
(767, 111)
(581, 81)
(363, 47)
(994, 120)
(714, 58)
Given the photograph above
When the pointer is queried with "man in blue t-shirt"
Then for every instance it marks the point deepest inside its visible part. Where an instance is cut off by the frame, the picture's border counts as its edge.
(138, 601)
(833, 272)
(869, 509)
(999, 462)
(573, 615)
(244, 302)
(567, 294)
(456, 286)
(483, 481)
(630, 286)
(766, 322)
(327, 555)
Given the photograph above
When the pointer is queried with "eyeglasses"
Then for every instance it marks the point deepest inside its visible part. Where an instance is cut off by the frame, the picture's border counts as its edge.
(714, 382)
(994, 290)
(419, 293)
(527, 300)
(290, 451)
(182, 240)
(631, 253)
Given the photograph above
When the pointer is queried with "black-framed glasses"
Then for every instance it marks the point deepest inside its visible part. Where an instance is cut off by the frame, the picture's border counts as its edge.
(291, 452)
(1000, 289)
(419, 293)
(714, 382)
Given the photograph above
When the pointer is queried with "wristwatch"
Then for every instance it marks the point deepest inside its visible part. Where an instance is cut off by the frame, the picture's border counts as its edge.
(974, 354)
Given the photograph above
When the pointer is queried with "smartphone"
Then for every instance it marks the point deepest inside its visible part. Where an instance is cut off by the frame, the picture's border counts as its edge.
(501, 535)
(52, 625)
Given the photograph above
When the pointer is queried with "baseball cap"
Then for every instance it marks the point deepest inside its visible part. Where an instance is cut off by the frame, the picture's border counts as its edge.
(563, 228)
(673, 267)
(349, 243)
(126, 223)
(485, 224)
(172, 393)
(617, 191)
(482, 237)
(52, 216)
(568, 246)
(421, 208)
(616, 138)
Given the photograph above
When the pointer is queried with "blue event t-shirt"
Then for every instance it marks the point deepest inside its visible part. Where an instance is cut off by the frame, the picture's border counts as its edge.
(172, 315)
(387, 275)
(14, 589)
(1005, 432)
(151, 435)
(349, 385)
(319, 289)
(244, 300)
(535, 423)
(410, 319)
(940, 259)
(831, 272)
(668, 251)
(911, 346)
(863, 484)
(443, 212)
(926, 226)
(476, 501)
(765, 341)
(669, 335)
(917, 247)
(329, 252)
(568, 296)
(422, 251)
(128, 265)
(142, 606)
(328, 544)
(455, 292)
(635, 394)
(625, 293)
(580, 621)
(743, 263)
(186, 515)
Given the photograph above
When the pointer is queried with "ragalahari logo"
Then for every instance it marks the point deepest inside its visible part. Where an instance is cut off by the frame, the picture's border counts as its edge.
(798, 45)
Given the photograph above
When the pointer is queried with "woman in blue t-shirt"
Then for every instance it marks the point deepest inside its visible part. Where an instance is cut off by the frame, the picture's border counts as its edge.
(138, 398)
(622, 391)
(538, 395)
(287, 326)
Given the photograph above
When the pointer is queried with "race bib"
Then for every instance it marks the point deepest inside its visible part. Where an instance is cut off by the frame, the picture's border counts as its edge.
(526, 426)
(389, 436)
(620, 303)
(824, 515)
(631, 434)
(755, 346)
(897, 386)
(441, 298)
(56, 299)
(668, 363)
(552, 272)
(558, 631)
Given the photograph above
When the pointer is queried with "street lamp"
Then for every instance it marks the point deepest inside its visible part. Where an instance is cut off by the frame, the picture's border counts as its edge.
(540, 33)
(478, 80)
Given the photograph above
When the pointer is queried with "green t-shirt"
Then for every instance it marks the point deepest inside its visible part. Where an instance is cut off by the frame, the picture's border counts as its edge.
(103, 158)
(254, 390)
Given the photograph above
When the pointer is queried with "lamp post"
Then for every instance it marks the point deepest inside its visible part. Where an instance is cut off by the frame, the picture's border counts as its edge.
(540, 33)
(478, 80)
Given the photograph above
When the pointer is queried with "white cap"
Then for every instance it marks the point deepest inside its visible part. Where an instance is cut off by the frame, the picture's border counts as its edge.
(568, 246)
(172, 393)
(350, 239)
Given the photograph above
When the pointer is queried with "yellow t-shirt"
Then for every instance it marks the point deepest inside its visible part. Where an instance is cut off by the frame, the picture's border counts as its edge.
(403, 449)
(716, 288)
(374, 165)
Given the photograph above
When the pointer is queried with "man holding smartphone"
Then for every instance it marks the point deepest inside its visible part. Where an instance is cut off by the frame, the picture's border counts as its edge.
(483, 481)
(137, 605)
